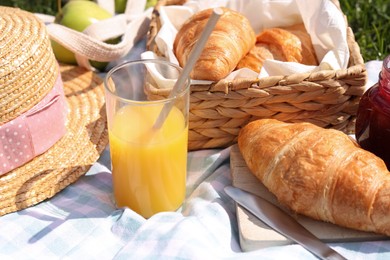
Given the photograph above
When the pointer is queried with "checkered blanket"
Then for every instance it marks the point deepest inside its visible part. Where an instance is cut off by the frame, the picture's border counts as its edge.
(81, 222)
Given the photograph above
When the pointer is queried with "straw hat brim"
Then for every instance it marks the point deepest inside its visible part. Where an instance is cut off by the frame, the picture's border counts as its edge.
(72, 156)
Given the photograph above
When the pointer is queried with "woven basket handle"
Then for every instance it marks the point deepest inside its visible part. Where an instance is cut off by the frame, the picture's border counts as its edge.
(90, 45)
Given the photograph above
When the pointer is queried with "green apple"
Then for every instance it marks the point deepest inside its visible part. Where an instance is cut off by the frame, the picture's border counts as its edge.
(150, 3)
(120, 6)
(78, 15)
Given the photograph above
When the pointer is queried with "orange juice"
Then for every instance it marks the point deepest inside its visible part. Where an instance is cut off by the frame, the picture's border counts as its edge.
(149, 165)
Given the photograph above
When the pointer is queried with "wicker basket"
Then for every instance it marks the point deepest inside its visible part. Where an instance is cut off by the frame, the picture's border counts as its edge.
(327, 98)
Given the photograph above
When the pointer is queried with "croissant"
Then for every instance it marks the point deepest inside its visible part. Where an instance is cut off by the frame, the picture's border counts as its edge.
(289, 44)
(307, 53)
(320, 173)
(255, 58)
(229, 42)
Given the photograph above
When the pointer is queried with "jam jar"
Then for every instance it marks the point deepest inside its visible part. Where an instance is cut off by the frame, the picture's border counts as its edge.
(373, 117)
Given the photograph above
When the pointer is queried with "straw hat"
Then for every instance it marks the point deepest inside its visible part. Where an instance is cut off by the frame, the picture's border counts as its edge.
(55, 113)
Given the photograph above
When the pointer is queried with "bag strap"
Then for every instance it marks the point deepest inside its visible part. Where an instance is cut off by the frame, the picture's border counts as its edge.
(133, 25)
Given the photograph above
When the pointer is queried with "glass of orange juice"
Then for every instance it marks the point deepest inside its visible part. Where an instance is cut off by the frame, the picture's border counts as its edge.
(148, 160)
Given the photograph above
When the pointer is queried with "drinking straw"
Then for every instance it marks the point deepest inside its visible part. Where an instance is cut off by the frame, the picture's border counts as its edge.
(194, 55)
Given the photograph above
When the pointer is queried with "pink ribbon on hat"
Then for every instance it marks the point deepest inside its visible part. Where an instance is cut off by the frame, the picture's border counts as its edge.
(35, 131)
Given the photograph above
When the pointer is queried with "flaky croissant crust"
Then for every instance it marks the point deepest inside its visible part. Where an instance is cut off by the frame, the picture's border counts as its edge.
(288, 44)
(229, 42)
(320, 173)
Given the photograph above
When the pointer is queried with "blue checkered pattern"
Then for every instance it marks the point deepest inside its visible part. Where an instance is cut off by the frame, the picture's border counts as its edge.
(81, 222)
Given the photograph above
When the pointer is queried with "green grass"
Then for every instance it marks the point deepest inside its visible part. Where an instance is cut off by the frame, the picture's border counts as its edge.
(36, 6)
(369, 19)
(370, 22)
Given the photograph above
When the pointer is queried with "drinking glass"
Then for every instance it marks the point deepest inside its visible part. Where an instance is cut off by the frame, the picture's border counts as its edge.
(149, 160)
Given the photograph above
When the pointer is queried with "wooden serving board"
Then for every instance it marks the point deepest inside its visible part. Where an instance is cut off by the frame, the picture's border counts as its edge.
(255, 235)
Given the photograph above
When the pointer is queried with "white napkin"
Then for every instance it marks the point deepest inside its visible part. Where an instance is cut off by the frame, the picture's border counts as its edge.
(323, 20)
